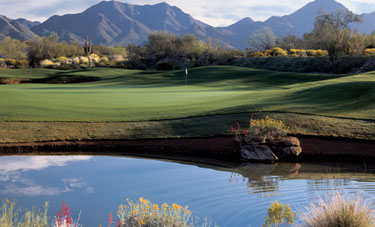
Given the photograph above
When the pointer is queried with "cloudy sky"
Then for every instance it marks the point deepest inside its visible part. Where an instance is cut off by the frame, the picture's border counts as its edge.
(213, 12)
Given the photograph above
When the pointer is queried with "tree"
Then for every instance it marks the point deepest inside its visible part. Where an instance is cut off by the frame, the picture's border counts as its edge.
(290, 42)
(12, 48)
(262, 39)
(332, 33)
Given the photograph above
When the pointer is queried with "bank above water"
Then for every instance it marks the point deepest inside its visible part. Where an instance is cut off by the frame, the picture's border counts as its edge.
(212, 150)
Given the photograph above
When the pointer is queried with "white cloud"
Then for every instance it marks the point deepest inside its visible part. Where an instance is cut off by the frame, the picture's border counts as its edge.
(31, 191)
(213, 12)
(27, 163)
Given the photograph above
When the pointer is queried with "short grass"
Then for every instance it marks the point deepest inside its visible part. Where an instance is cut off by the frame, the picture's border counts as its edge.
(162, 105)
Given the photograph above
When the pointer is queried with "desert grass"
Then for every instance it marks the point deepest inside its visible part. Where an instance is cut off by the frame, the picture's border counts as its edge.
(340, 211)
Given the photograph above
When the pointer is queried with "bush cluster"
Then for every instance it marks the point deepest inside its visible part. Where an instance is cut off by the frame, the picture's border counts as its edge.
(279, 52)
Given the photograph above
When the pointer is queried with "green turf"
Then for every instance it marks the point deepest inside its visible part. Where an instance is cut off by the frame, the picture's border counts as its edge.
(125, 95)
(160, 105)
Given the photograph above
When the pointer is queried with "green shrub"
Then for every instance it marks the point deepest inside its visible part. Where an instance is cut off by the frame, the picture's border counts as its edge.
(340, 211)
(164, 66)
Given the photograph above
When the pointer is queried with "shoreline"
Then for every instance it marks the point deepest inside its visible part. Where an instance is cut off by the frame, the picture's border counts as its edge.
(211, 150)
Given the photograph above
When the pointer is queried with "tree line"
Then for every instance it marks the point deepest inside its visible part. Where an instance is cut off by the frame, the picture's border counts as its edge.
(331, 33)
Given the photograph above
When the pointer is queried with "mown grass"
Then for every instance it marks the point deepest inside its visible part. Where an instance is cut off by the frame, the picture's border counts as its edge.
(134, 104)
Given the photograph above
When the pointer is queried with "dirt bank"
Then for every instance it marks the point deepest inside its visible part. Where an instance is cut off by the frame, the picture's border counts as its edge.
(219, 148)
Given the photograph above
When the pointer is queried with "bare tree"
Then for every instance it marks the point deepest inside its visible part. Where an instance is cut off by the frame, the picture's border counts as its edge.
(262, 39)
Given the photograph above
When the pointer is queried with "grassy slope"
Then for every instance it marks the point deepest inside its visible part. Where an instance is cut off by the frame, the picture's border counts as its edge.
(135, 96)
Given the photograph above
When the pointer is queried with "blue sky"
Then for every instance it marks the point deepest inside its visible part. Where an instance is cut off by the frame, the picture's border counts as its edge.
(213, 12)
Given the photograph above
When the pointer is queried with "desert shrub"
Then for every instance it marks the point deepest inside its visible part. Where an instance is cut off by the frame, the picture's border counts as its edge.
(267, 127)
(104, 59)
(84, 60)
(10, 217)
(279, 214)
(277, 51)
(117, 58)
(11, 62)
(144, 213)
(22, 64)
(164, 66)
(46, 63)
(94, 58)
(61, 59)
(339, 211)
(76, 61)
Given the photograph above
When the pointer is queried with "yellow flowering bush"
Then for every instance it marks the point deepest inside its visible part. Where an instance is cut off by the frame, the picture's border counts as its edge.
(46, 63)
(61, 59)
(370, 52)
(144, 213)
(277, 51)
(278, 214)
(267, 127)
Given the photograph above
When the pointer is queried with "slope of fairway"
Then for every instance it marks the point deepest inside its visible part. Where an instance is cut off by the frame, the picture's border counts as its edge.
(126, 95)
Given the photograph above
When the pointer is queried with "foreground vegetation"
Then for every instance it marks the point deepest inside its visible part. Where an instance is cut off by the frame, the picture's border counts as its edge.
(334, 211)
(121, 104)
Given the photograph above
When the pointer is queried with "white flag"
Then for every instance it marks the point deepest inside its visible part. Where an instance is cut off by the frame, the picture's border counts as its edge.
(186, 71)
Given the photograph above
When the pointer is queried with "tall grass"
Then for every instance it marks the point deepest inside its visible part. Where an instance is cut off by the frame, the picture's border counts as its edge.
(9, 217)
(340, 211)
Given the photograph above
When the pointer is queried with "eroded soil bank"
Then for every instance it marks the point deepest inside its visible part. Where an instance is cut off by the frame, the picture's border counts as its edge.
(213, 149)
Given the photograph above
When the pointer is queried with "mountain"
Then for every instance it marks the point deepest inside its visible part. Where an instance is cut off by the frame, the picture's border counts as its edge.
(116, 23)
(14, 29)
(27, 23)
(368, 23)
(297, 23)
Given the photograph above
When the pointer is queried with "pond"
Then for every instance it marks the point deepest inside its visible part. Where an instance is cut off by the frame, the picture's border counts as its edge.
(230, 196)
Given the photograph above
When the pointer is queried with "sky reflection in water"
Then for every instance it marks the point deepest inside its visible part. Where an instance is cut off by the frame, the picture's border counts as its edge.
(229, 196)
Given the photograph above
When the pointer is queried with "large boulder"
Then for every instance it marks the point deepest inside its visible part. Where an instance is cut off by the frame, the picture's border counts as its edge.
(286, 147)
(258, 153)
(287, 142)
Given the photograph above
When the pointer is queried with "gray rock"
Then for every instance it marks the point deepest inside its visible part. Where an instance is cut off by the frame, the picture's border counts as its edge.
(258, 153)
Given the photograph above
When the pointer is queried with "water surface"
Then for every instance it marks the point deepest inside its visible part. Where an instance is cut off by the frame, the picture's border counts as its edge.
(236, 196)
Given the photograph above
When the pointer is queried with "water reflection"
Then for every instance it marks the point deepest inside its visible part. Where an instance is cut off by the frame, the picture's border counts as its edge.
(264, 178)
(15, 171)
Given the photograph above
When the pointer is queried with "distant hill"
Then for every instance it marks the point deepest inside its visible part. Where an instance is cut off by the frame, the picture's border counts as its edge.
(15, 29)
(116, 23)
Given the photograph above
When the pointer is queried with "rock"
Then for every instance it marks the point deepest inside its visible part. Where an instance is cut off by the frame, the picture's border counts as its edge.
(288, 152)
(255, 139)
(287, 142)
(258, 153)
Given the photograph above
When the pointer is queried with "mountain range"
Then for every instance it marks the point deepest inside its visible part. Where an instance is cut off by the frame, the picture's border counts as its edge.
(117, 23)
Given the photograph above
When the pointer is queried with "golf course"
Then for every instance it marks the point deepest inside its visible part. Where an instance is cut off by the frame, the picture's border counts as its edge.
(104, 103)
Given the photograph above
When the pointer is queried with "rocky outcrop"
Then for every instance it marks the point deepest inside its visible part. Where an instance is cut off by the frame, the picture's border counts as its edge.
(262, 149)
(258, 153)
